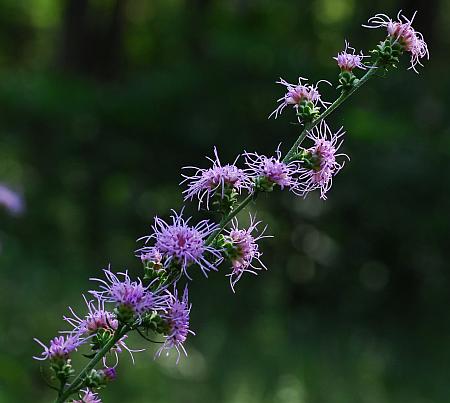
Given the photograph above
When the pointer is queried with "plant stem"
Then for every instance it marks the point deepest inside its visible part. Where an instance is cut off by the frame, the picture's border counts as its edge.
(78, 381)
(224, 222)
(289, 156)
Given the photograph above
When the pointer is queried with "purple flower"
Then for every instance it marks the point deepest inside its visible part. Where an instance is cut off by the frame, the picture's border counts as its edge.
(321, 164)
(97, 318)
(88, 397)
(128, 296)
(272, 169)
(402, 31)
(109, 373)
(348, 61)
(11, 200)
(297, 93)
(176, 316)
(243, 250)
(60, 347)
(184, 245)
(153, 256)
(205, 183)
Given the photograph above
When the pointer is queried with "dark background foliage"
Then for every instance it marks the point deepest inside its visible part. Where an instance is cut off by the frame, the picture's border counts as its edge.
(103, 101)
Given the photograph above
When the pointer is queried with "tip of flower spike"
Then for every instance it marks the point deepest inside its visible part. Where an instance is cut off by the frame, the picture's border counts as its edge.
(401, 37)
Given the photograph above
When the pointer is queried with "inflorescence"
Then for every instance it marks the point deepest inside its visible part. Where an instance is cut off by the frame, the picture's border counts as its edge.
(152, 305)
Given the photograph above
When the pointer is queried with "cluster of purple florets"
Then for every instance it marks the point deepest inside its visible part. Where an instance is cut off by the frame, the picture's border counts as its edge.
(176, 248)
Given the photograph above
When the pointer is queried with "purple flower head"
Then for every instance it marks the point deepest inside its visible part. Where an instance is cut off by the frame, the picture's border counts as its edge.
(403, 32)
(97, 318)
(243, 249)
(152, 255)
(127, 294)
(88, 397)
(176, 316)
(297, 93)
(348, 61)
(205, 183)
(11, 200)
(60, 347)
(323, 164)
(272, 168)
(182, 244)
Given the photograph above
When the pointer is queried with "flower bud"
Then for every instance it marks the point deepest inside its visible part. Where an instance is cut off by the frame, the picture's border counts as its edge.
(264, 184)
(347, 80)
(101, 338)
(99, 378)
(62, 369)
(307, 111)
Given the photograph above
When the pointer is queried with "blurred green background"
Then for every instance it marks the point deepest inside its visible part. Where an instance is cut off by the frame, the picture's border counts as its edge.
(103, 101)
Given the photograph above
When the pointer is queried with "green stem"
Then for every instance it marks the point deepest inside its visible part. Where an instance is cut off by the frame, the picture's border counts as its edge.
(224, 222)
(79, 379)
(77, 383)
(289, 156)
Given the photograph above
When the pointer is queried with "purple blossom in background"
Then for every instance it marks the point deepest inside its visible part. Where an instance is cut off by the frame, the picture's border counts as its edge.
(402, 31)
(296, 93)
(11, 200)
(244, 250)
(60, 347)
(184, 245)
(323, 157)
(273, 169)
(205, 183)
(177, 317)
(88, 397)
(349, 61)
(127, 294)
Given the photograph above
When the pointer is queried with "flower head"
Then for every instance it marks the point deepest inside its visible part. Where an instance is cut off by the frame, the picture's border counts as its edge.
(401, 30)
(348, 61)
(184, 245)
(88, 397)
(60, 347)
(217, 180)
(242, 249)
(176, 317)
(131, 298)
(272, 169)
(152, 255)
(320, 164)
(96, 318)
(152, 258)
(97, 327)
(299, 95)
(11, 200)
